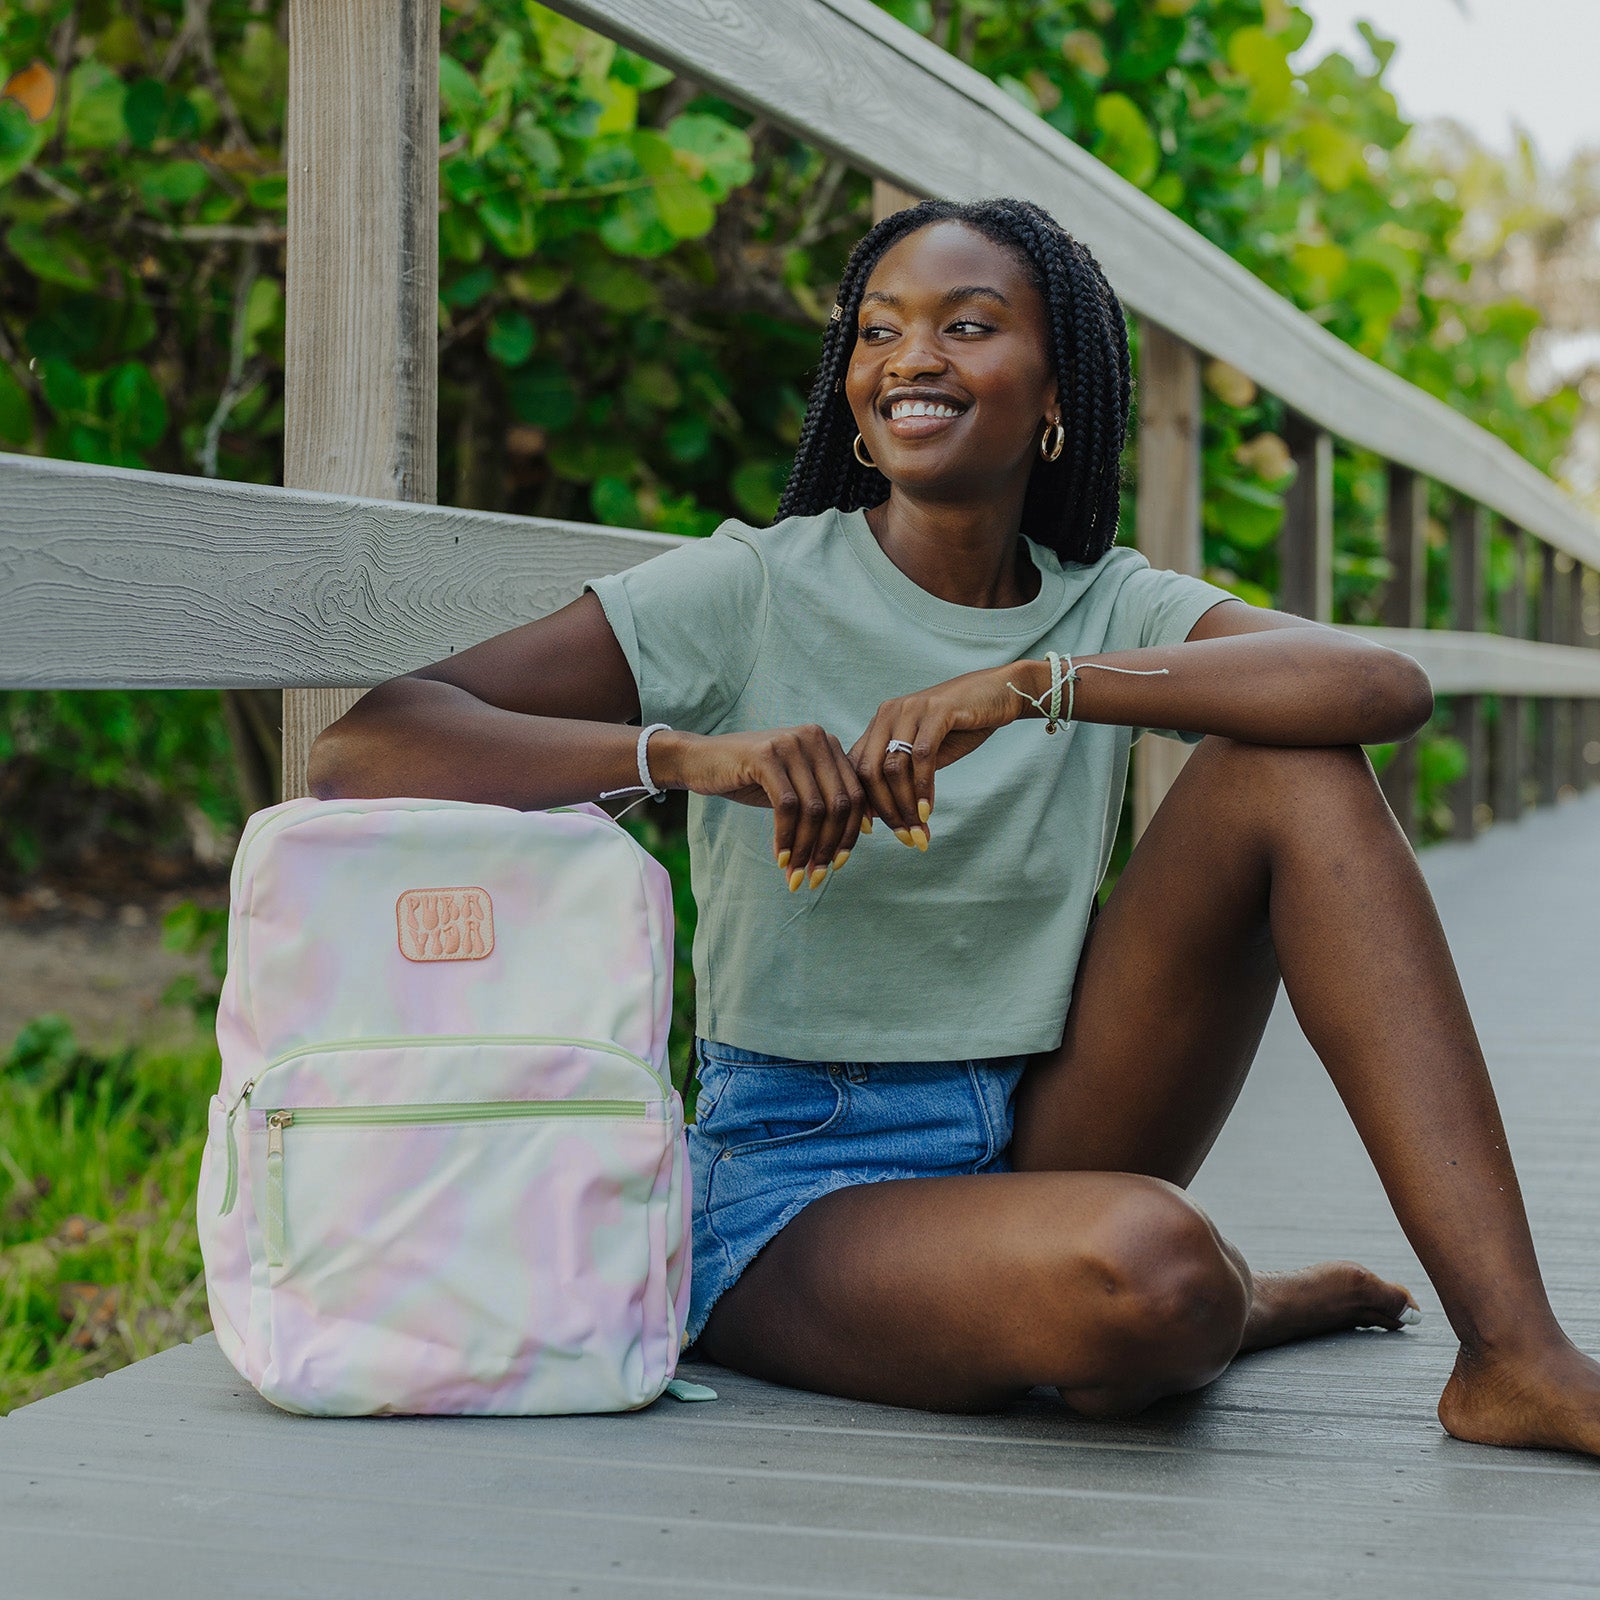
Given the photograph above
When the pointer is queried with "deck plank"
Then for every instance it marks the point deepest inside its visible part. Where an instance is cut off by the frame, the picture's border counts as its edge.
(1303, 1471)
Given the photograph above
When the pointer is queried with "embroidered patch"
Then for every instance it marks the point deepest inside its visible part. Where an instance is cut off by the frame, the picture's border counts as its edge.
(445, 924)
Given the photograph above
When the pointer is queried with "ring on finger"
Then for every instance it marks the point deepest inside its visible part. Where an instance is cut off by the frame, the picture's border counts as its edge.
(898, 744)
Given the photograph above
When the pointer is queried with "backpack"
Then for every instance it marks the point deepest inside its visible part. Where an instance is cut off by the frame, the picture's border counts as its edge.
(445, 1168)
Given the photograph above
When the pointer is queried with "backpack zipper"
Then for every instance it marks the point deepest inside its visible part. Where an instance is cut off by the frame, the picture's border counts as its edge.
(272, 1226)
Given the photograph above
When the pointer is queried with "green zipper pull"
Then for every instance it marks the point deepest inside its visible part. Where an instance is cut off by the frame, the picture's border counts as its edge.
(272, 1222)
(230, 1189)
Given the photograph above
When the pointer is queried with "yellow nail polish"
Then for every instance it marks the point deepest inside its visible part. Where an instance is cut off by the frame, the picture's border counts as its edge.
(783, 859)
(919, 838)
(866, 824)
(924, 810)
(817, 875)
(796, 878)
(840, 859)
(903, 835)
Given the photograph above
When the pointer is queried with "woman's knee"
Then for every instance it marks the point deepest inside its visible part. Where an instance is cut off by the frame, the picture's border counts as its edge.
(1173, 1304)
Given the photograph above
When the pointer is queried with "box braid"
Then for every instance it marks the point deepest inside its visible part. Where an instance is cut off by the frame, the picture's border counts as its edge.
(1071, 504)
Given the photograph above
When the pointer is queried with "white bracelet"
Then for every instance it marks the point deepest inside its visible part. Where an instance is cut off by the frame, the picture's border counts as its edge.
(646, 783)
(1052, 711)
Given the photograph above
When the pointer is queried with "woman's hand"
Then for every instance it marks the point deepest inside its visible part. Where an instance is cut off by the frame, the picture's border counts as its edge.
(941, 725)
(819, 807)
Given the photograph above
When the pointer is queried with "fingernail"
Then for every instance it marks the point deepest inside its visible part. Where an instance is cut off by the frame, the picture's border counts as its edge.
(924, 810)
(796, 878)
(866, 824)
(1411, 1316)
(840, 859)
(783, 858)
(903, 835)
(919, 838)
(817, 875)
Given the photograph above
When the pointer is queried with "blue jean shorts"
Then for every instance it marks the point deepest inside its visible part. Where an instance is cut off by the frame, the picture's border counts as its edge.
(773, 1134)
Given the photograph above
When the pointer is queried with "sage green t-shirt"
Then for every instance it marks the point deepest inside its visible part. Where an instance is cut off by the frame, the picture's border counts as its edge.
(962, 951)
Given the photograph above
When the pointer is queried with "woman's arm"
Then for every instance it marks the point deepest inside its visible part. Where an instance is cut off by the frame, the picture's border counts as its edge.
(536, 717)
(1262, 676)
(1245, 672)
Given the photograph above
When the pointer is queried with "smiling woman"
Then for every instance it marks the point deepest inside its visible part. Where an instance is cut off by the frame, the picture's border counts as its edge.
(948, 1113)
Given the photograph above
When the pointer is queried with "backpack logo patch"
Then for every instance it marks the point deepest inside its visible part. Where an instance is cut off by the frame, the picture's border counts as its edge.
(445, 924)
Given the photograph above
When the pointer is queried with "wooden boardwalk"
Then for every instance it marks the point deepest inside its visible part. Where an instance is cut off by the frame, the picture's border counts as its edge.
(1317, 1470)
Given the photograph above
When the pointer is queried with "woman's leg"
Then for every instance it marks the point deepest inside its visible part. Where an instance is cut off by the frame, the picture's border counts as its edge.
(962, 1293)
(1266, 859)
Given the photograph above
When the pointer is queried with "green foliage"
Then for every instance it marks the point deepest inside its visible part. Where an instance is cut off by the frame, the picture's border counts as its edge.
(99, 1159)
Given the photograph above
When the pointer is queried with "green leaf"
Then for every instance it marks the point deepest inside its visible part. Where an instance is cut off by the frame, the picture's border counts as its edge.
(509, 222)
(722, 151)
(615, 503)
(688, 437)
(1262, 60)
(540, 282)
(145, 109)
(642, 73)
(617, 286)
(263, 316)
(458, 90)
(138, 407)
(915, 14)
(568, 49)
(96, 101)
(542, 393)
(511, 338)
(503, 65)
(16, 412)
(632, 226)
(20, 139)
(270, 191)
(65, 391)
(619, 106)
(538, 147)
(685, 209)
(467, 290)
(757, 487)
(654, 384)
(173, 182)
(1127, 143)
(582, 460)
(56, 258)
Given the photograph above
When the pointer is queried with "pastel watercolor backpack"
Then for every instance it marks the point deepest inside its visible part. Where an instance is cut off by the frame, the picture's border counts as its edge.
(446, 1168)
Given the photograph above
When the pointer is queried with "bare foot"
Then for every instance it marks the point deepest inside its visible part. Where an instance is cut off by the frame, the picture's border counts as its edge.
(1546, 1401)
(1326, 1298)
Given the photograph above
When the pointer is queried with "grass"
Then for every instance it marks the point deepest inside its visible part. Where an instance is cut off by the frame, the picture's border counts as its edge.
(99, 1157)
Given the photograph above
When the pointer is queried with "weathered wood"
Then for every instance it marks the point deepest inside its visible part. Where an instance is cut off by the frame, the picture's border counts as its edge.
(1591, 638)
(113, 579)
(1403, 606)
(1469, 801)
(846, 76)
(1167, 514)
(1303, 1471)
(1547, 736)
(1510, 736)
(362, 284)
(1305, 546)
(1575, 711)
(888, 198)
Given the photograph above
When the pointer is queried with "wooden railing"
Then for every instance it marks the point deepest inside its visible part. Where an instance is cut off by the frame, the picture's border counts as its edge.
(111, 578)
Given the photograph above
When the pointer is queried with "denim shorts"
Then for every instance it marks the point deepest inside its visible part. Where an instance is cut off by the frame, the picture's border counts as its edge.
(773, 1134)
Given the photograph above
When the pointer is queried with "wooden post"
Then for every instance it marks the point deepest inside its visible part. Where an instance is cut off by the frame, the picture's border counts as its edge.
(1590, 635)
(1547, 753)
(888, 199)
(1404, 597)
(1577, 711)
(362, 288)
(1510, 741)
(1167, 515)
(1469, 794)
(1305, 547)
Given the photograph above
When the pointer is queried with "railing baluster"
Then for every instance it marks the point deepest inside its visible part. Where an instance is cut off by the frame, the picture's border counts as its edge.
(1167, 513)
(1577, 711)
(1305, 547)
(1589, 634)
(1510, 738)
(1547, 744)
(1405, 539)
(1469, 792)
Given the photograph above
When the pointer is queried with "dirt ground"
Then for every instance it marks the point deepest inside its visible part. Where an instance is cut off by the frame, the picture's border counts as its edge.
(101, 963)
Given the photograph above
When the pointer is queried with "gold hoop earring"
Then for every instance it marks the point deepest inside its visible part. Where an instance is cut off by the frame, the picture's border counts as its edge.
(1061, 439)
(865, 461)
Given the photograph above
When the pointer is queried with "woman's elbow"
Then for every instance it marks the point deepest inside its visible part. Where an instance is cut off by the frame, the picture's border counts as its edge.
(1409, 696)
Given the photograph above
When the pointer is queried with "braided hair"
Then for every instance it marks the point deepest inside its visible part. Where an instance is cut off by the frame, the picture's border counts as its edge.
(1072, 503)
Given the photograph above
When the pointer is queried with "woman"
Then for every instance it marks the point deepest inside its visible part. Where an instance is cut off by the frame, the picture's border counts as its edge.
(947, 1116)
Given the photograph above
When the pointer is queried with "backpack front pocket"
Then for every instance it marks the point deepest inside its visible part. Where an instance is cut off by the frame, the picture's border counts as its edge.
(497, 1256)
